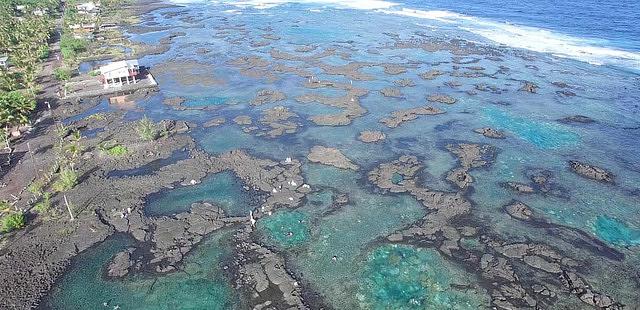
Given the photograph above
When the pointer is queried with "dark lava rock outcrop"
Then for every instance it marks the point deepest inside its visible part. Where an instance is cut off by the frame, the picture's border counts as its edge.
(490, 133)
(469, 156)
(401, 116)
(265, 96)
(369, 136)
(529, 87)
(591, 172)
(446, 99)
(391, 92)
(580, 119)
(330, 156)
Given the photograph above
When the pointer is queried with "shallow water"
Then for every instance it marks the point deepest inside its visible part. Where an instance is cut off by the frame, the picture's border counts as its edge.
(200, 286)
(340, 250)
(222, 189)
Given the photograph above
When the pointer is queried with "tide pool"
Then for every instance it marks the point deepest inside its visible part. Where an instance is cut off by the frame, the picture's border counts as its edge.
(404, 277)
(541, 134)
(616, 232)
(201, 285)
(222, 189)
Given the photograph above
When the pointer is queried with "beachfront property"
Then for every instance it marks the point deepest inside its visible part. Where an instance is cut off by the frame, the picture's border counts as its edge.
(119, 73)
(108, 26)
(4, 62)
(83, 28)
(88, 8)
(40, 12)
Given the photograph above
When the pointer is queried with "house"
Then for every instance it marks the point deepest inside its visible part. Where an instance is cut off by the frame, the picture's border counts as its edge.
(90, 27)
(40, 12)
(3, 62)
(85, 36)
(87, 8)
(119, 73)
(108, 26)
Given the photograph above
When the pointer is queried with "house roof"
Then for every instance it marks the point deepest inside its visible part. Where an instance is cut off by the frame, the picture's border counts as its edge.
(87, 6)
(3, 58)
(118, 65)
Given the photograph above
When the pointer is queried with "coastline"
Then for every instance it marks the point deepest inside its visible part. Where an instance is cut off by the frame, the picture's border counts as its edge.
(104, 203)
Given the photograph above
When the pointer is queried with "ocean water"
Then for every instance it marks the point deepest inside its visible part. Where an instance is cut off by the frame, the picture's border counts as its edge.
(583, 56)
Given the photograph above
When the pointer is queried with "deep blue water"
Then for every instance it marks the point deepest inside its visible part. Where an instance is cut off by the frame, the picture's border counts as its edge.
(615, 22)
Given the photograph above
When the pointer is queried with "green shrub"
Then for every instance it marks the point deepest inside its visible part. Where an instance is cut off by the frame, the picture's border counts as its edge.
(13, 221)
(15, 108)
(94, 73)
(44, 51)
(117, 150)
(97, 117)
(67, 179)
(44, 205)
(35, 188)
(4, 206)
(70, 46)
(62, 74)
(147, 129)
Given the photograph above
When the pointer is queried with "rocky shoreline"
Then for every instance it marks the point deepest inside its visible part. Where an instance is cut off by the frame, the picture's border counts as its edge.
(516, 272)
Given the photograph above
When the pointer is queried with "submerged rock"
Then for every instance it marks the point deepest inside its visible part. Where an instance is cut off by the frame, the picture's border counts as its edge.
(330, 156)
(243, 120)
(404, 83)
(529, 87)
(174, 101)
(431, 74)
(120, 264)
(519, 210)
(216, 121)
(470, 156)
(391, 92)
(368, 136)
(265, 96)
(581, 119)
(490, 133)
(394, 69)
(441, 98)
(401, 116)
(519, 187)
(591, 172)
(277, 120)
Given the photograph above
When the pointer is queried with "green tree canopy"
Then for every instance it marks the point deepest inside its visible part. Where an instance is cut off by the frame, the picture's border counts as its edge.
(15, 108)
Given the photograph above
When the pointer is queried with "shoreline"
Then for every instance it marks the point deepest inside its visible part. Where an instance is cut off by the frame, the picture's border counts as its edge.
(49, 245)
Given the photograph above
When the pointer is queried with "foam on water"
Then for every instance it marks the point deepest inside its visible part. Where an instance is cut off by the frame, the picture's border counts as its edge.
(351, 4)
(518, 36)
(531, 38)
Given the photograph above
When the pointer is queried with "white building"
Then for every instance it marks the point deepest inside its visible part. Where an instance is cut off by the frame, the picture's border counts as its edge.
(40, 12)
(3, 62)
(119, 73)
(88, 8)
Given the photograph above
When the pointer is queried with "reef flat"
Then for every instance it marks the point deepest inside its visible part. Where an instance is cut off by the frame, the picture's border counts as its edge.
(314, 162)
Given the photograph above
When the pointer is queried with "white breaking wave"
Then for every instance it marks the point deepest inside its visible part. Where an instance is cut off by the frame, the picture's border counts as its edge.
(352, 4)
(531, 38)
(516, 36)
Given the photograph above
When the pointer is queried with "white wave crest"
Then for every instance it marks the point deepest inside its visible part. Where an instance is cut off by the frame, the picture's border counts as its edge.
(351, 4)
(531, 38)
